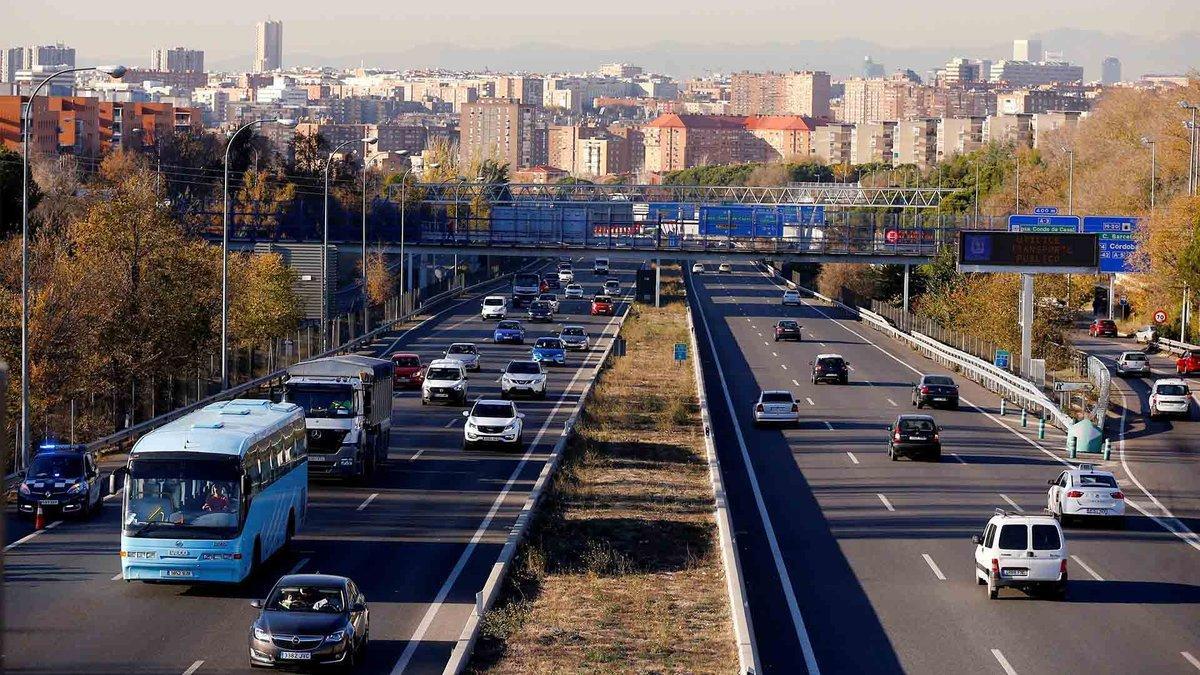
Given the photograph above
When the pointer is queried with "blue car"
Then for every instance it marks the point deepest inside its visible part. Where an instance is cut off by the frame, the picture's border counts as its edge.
(509, 331)
(550, 350)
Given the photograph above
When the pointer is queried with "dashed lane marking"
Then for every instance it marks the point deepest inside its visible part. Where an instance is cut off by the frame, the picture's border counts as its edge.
(960, 459)
(828, 426)
(367, 501)
(1191, 659)
(852, 457)
(810, 401)
(795, 383)
(1003, 662)
(1086, 568)
(933, 566)
(885, 501)
(1012, 503)
(193, 668)
(892, 402)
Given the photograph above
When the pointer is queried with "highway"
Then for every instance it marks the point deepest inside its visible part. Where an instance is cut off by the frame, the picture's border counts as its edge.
(419, 541)
(854, 563)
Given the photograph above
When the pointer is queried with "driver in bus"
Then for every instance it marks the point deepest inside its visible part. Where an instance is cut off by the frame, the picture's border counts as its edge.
(217, 501)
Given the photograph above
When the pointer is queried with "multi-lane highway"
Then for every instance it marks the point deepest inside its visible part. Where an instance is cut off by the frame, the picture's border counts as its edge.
(854, 563)
(419, 541)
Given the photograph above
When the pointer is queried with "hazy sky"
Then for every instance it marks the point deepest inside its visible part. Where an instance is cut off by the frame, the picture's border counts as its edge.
(224, 28)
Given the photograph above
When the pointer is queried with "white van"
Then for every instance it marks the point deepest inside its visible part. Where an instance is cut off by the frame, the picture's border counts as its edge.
(1022, 551)
(495, 307)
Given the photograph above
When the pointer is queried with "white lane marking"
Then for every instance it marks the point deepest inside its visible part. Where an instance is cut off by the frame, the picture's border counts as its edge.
(1012, 503)
(367, 501)
(760, 335)
(852, 457)
(430, 613)
(120, 575)
(885, 501)
(1003, 662)
(299, 565)
(810, 401)
(933, 566)
(1191, 659)
(822, 344)
(417, 454)
(795, 383)
(960, 459)
(827, 425)
(1170, 523)
(1085, 567)
(783, 365)
(766, 343)
(892, 402)
(812, 336)
(193, 668)
(774, 354)
(810, 659)
(451, 423)
(31, 535)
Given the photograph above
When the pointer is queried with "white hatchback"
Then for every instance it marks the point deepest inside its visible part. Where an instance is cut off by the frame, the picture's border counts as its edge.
(1021, 551)
(1085, 492)
(494, 307)
(1170, 397)
(1133, 363)
(573, 292)
(697, 268)
(791, 298)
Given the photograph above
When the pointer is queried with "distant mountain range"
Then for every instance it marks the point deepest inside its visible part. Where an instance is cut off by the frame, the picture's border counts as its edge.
(842, 57)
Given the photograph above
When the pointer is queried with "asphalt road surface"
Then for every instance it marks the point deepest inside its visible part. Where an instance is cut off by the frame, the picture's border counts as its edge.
(854, 563)
(420, 541)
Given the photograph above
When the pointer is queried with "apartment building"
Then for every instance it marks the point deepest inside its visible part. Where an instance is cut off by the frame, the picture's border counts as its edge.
(959, 136)
(873, 143)
(504, 130)
(563, 144)
(1009, 129)
(1044, 124)
(915, 142)
(1031, 74)
(177, 60)
(787, 137)
(795, 93)
(601, 155)
(679, 141)
(522, 88)
(268, 46)
(1038, 100)
(89, 127)
(43, 134)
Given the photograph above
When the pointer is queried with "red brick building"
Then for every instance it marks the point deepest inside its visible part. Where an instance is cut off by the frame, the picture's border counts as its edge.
(674, 142)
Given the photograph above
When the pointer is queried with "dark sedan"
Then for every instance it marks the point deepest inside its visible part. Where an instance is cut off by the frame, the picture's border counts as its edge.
(787, 330)
(935, 390)
(541, 311)
(310, 620)
(914, 436)
(830, 368)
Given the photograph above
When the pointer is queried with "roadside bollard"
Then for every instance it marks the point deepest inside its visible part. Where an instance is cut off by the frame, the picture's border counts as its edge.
(1002, 402)
(1107, 449)
(1042, 428)
(1024, 417)
(1071, 447)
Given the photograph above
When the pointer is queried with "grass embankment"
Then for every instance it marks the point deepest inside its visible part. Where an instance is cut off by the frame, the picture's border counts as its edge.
(621, 571)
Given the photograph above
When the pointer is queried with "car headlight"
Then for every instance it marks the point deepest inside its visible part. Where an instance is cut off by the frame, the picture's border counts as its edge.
(337, 636)
(470, 424)
(511, 427)
(460, 386)
(24, 489)
(78, 488)
(261, 635)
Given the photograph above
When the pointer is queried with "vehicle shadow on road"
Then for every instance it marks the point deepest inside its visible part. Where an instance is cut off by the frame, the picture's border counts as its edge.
(1133, 592)
(1005, 460)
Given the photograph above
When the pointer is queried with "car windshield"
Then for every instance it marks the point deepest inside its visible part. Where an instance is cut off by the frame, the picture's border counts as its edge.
(790, 325)
(1045, 538)
(321, 400)
(830, 362)
(461, 349)
(1135, 356)
(939, 380)
(523, 368)
(493, 410)
(549, 343)
(444, 374)
(790, 293)
(1106, 324)
(493, 302)
(182, 497)
(916, 426)
(1172, 390)
(539, 306)
(776, 397)
(549, 297)
(1095, 480)
(1014, 537)
(322, 599)
(407, 361)
(55, 466)
(574, 287)
(601, 298)
(573, 330)
(508, 325)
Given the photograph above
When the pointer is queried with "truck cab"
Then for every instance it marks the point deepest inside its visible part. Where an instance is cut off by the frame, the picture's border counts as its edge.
(347, 403)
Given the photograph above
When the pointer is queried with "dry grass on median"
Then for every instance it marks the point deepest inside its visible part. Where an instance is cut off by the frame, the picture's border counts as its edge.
(622, 570)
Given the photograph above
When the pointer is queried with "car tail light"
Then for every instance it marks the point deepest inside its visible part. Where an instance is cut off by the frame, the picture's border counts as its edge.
(1074, 494)
(1062, 566)
(896, 437)
(924, 390)
(1118, 495)
(996, 566)
(759, 407)
(795, 408)
(936, 437)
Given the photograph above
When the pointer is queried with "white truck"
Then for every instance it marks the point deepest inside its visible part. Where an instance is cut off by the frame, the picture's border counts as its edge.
(347, 403)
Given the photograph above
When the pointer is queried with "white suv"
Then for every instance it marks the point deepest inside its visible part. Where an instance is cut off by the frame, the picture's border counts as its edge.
(566, 276)
(445, 382)
(1021, 551)
(494, 307)
(523, 377)
(1086, 492)
(491, 421)
(600, 266)
(1170, 397)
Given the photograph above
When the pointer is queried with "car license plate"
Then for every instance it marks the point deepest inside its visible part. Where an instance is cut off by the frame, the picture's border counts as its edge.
(295, 656)
(402, 379)
(940, 398)
(917, 438)
(440, 395)
(1015, 573)
(178, 573)
(318, 458)
(1096, 512)
(49, 502)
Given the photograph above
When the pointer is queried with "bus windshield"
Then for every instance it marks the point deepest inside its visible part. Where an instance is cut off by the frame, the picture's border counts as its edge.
(193, 498)
(336, 400)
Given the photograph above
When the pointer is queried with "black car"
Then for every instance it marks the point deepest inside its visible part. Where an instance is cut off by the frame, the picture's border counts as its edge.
(914, 436)
(787, 329)
(935, 390)
(310, 620)
(830, 368)
(62, 479)
(540, 311)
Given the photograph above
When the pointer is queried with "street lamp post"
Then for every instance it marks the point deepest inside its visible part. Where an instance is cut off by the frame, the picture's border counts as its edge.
(1153, 170)
(289, 123)
(115, 72)
(1192, 159)
(325, 247)
(1071, 182)
(366, 141)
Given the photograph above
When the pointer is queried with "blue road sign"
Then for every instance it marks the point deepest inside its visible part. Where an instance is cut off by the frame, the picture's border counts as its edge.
(741, 221)
(1043, 224)
(1045, 210)
(1002, 359)
(681, 351)
(1117, 243)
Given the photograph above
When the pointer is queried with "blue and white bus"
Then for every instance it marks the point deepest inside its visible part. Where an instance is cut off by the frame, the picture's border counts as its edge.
(213, 494)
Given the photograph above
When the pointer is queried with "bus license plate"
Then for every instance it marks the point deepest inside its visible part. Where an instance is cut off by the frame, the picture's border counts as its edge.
(295, 656)
(317, 458)
(179, 573)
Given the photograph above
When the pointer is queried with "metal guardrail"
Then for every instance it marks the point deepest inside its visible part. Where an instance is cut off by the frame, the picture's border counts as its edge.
(1175, 347)
(460, 654)
(994, 379)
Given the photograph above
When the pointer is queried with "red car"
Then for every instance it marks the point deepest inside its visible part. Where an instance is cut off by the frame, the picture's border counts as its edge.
(1188, 363)
(602, 304)
(409, 370)
(1103, 328)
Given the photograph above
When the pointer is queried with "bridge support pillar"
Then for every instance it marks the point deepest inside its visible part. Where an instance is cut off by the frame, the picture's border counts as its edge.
(1112, 294)
(409, 264)
(907, 270)
(1026, 323)
(658, 282)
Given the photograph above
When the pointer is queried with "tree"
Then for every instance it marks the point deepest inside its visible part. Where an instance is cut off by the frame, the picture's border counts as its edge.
(263, 300)
(261, 200)
(381, 283)
(309, 152)
(10, 192)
